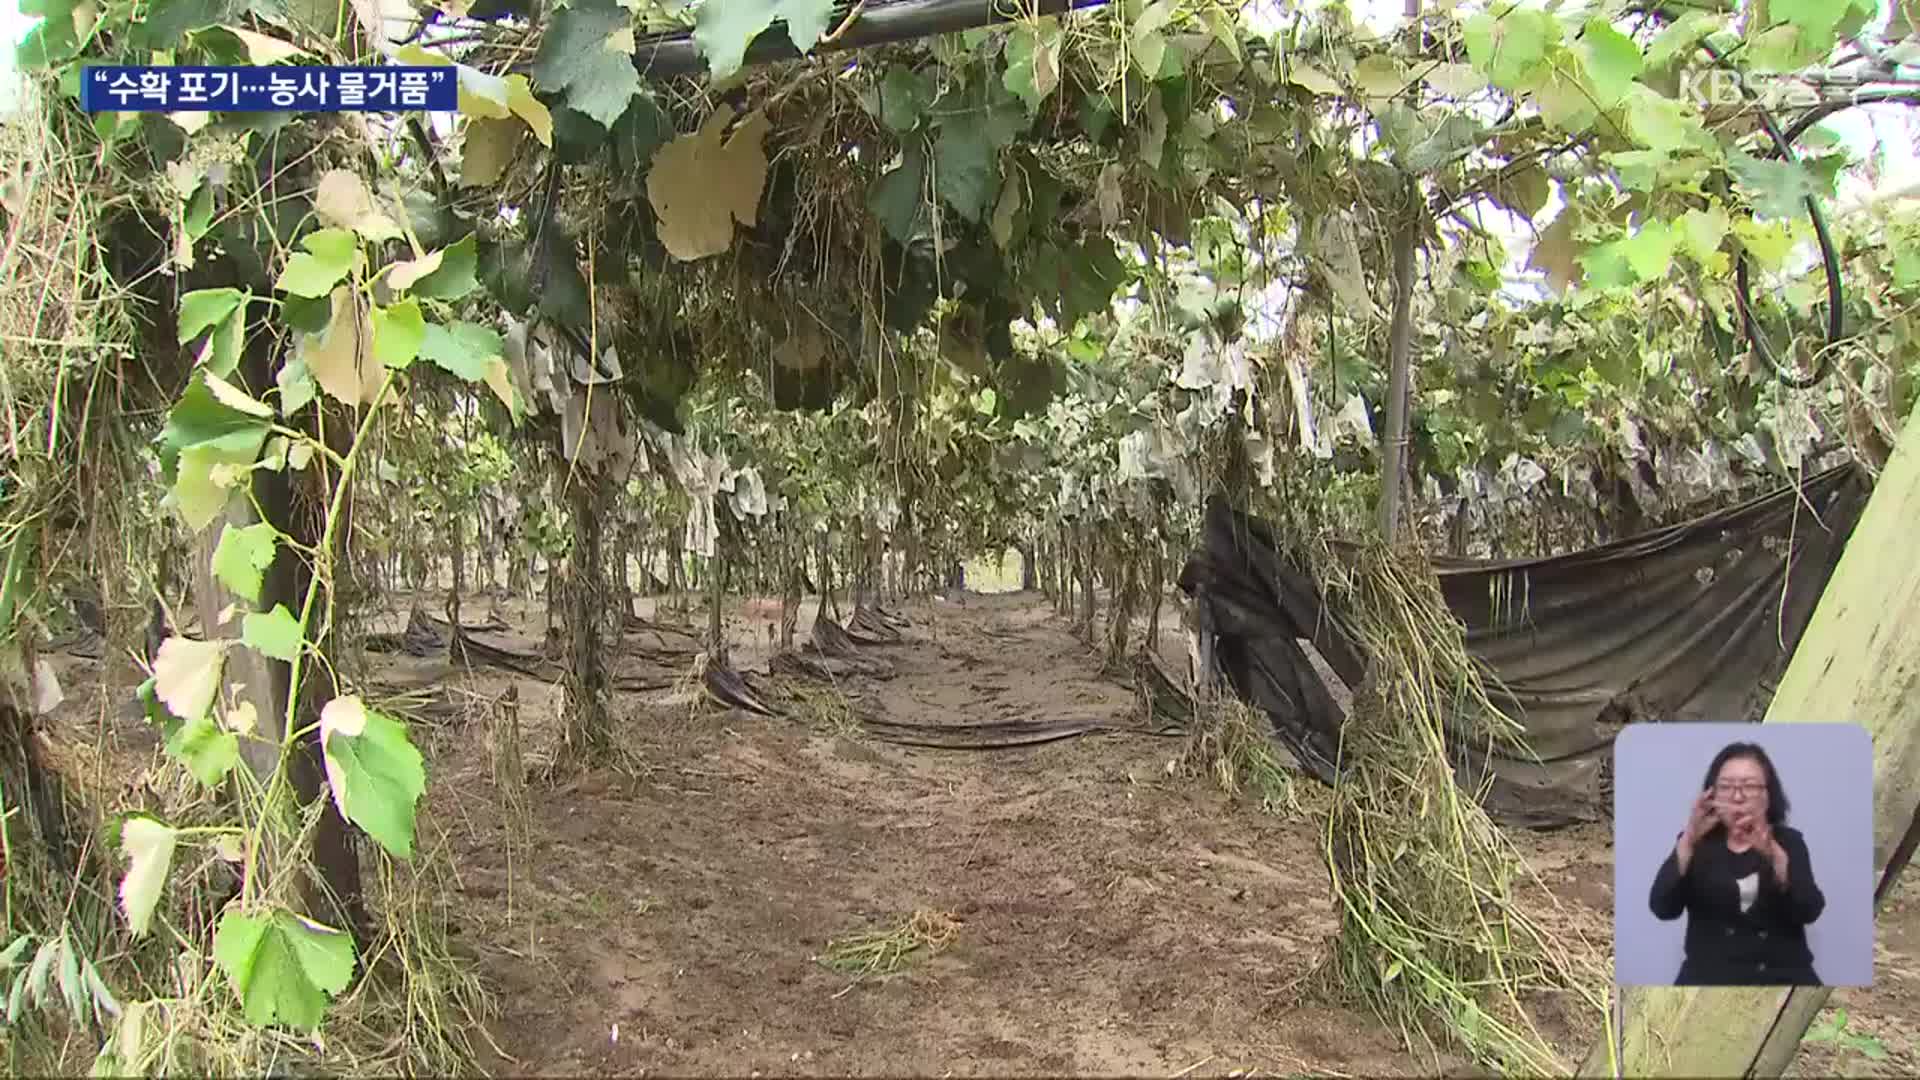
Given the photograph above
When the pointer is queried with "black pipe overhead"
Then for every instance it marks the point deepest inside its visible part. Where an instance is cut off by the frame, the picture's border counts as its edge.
(668, 56)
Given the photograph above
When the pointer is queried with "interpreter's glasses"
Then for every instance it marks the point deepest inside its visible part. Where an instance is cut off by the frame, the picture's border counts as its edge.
(1744, 791)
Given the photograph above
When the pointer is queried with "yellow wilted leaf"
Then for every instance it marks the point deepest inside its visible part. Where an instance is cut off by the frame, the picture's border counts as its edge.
(489, 148)
(699, 186)
(341, 357)
(344, 201)
(262, 49)
(1311, 78)
(405, 273)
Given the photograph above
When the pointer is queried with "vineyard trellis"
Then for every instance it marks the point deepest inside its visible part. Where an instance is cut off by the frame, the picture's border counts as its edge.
(812, 297)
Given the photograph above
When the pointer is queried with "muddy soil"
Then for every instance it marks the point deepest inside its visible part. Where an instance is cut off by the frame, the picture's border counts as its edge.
(1105, 913)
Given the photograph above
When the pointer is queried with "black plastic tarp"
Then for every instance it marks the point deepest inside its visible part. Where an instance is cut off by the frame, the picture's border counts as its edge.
(1695, 621)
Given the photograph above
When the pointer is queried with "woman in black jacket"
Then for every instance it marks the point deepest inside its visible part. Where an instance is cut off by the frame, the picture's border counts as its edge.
(1744, 880)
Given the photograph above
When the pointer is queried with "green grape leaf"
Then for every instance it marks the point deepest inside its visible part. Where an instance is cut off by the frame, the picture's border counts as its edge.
(1661, 123)
(1681, 37)
(1906, 267)
(1565, 100)
(455, 276)
(966, 170)
(462, 349)
(722, 29)
(903, 98)
(1701, 234)
(376, 774)
(587, 55)
(1606, 265)
(898, 199)
(149, 848)
(167, 24)
(1649, 251)
(241, 558)
(1033, 65)
(297, 388)
(1612, 62)
(1507, 47)
(314, 272)
(208, 752)
(1777, 189)
(205, 309)
(398, 333)
(1767, 243)
(274, 633)
(282, 967)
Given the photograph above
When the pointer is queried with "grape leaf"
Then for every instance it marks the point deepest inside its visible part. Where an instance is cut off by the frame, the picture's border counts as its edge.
(1565, 100)
(587, 55)
(1649, 251)
(1681, 36)
(235, 398)
(1765, 242)
(274, 633)
(341, 359)
(241, 559)
(904, 95)
(342, 200)
(398, 333)
(1033, 65)
(1508, 46)
(296, 385)
(898, 198)
(219, 434)
(205, 309)
(376, 774)
(965, 169)
(1701, 233)
(722, 29)
(1612, 61)
(1777, 189)
(487, 148)
(186, 675)
(208, 752)
(282, 967)
(462, 349)
(1661, 123)
(1312, 79)
(455, 275)
(314, 272)
(699, 186)
(149, 848)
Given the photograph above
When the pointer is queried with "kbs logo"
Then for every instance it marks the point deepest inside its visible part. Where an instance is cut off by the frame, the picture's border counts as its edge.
(1717, 88)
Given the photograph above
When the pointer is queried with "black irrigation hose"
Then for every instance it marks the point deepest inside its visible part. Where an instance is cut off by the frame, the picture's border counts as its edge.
(1829, 257)
(673, 54)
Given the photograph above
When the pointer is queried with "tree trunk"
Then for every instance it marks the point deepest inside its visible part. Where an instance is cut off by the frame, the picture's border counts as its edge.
(1088, 607)
(1126, 583)
(676, 570)
(716, 594)
(823, 557)
(1065, 557)
(588, 724)
(1029, 574)
(1156, 597)
(1858, 663)
(263, 682)
(793, 569)
(1393, 441)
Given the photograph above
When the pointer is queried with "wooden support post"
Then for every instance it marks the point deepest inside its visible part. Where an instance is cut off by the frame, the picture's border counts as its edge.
(1859, 662)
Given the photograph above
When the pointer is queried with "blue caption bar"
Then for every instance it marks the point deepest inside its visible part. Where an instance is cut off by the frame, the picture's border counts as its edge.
(432, 88)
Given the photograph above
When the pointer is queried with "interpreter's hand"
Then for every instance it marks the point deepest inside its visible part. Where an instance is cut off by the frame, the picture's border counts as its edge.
(1760, 836)
(1701, 821)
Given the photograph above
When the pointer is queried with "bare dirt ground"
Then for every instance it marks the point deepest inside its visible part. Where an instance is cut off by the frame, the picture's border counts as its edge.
(668, 916)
